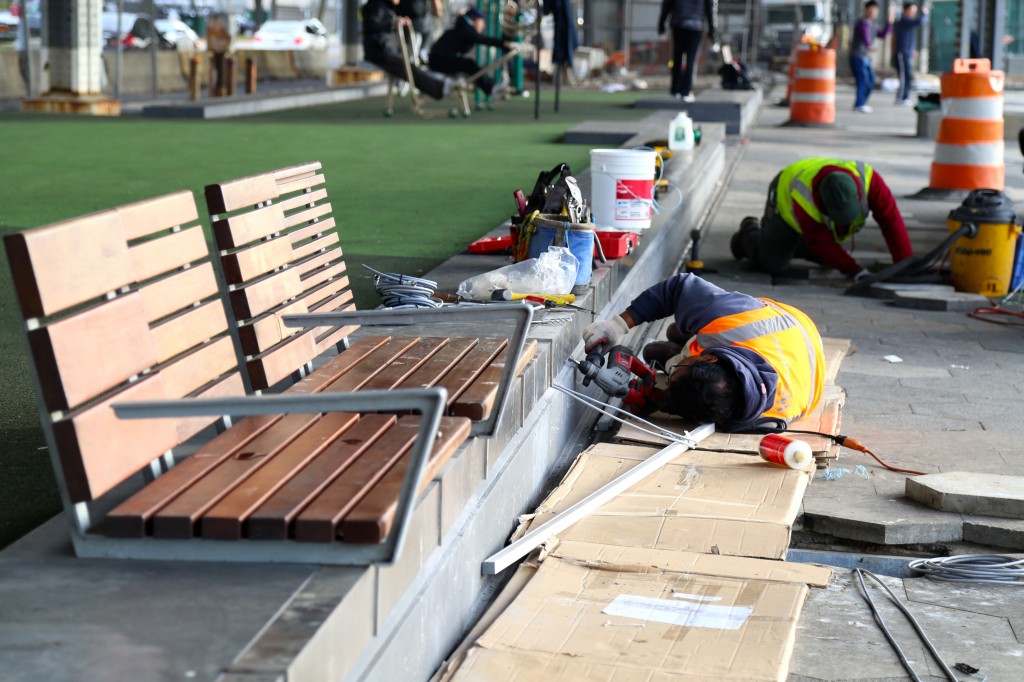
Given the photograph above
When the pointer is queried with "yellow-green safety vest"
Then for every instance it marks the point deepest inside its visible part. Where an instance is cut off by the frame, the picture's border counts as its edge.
(787, 339)
(795, 186)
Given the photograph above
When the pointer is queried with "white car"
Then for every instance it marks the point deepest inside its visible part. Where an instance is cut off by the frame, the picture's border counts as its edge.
(178, 34)
(8, 26)
(279, 34)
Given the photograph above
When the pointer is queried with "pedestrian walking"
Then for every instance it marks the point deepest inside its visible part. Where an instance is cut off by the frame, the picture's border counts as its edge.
(905, 44)
(690, 19)
(864, 33)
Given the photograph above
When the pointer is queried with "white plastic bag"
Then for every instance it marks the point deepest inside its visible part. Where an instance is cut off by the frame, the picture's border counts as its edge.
(554, 272)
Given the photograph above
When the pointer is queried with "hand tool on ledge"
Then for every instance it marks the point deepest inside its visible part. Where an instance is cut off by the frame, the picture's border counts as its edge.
(507, 295)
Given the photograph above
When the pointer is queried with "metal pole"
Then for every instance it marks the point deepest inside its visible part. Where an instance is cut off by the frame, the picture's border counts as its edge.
(152, 48)
(967, 11)
(627, 30)
(119, 54)
(24, 43)
(536, 74)
(998, 8)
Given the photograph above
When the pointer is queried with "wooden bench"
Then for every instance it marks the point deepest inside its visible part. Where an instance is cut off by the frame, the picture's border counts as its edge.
(121, 308)
(281, 259)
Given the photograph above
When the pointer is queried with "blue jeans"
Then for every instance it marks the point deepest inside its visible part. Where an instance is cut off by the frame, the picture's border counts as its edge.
(905, 70)
(865, 77)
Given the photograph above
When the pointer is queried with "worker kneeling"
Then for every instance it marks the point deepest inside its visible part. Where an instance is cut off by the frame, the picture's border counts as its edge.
(730, 358)
(448, 53)
(380, 43)
(814, 206)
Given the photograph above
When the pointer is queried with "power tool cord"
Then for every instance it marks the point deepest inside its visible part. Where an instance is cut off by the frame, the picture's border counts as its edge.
(860, 573)
(972, 568)
(852, 444)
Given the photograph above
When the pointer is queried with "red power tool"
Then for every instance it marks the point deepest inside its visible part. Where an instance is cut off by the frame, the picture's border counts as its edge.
(624, 377)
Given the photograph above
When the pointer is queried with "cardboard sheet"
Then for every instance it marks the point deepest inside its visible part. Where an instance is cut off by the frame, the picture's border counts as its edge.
(714, 503)
(624, 614)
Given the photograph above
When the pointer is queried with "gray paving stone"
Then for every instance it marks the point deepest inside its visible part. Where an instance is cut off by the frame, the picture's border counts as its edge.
(994, 532)
(938, 300)
(888, 290)
(970, 493)
(866, 517)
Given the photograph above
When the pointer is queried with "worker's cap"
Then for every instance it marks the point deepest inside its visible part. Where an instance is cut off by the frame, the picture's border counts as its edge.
(473, 14)
(838, 192)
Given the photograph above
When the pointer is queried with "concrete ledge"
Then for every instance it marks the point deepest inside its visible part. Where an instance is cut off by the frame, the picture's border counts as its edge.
(737, 109)
(228, 107)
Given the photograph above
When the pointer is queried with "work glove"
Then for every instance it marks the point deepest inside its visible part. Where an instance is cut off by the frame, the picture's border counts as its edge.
(608, 332)
(863, 274)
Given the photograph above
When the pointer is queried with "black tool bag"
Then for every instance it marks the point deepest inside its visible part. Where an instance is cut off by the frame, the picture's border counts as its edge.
(556, 192)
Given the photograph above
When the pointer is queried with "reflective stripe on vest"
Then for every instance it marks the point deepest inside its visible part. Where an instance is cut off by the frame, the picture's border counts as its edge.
(812, 355)
(748, 331)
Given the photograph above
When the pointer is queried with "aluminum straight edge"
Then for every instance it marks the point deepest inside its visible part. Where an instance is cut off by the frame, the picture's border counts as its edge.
(520, 548)
(429, 402)
(520, 313)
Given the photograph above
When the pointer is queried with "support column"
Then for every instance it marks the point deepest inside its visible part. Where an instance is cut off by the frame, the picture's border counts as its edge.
(73, 39)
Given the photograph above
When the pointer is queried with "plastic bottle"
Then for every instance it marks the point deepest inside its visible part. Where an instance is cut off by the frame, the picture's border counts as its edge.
(787, 452)
(680, 132)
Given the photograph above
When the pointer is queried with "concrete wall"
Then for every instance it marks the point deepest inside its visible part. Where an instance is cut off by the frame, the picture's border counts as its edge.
(12, 85)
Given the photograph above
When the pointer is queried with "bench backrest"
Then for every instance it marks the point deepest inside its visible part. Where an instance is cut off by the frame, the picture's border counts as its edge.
(280, 255)
(118, 306)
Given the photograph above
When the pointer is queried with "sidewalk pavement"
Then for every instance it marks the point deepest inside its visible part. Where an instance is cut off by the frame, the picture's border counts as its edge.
(954, 403)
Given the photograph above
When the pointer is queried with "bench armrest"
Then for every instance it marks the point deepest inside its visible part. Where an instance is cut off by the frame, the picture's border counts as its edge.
(520, 313)
(428, 402)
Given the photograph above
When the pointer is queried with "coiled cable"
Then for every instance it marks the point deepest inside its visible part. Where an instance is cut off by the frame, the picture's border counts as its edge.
(972, 568)
(403, 291)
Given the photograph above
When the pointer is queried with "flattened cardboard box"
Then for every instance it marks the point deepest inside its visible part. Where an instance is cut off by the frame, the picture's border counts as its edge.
(709, 502)
(612, 614)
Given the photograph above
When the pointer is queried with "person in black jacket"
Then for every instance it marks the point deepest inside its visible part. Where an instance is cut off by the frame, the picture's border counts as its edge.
(381, 46)
(448, 53)
(689, 20)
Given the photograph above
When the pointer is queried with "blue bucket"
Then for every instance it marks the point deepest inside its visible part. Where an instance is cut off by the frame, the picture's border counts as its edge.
(555, 230)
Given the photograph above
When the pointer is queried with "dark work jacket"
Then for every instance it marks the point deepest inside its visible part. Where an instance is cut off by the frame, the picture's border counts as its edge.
(697, 15)
(460, 39)
(379, 29)
(414, 9)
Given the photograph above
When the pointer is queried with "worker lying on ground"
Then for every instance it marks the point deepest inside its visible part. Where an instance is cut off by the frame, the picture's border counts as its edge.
(730, 358)
(814, 206)
(380, 43)
(448, 53)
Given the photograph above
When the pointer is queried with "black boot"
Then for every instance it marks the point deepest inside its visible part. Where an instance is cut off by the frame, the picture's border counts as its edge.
(749, 228)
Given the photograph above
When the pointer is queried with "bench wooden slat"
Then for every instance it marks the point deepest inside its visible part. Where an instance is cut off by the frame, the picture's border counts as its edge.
(318, 522)
(130, 518)
(179, 517)
(314, 262)
(330, 371)
(475, 361)
(230, 385)
(274, 517)
(439, 364)
(66, 351)
(306, 216)
(189, 329)
(324, 227)
(302, 170)
(281, 362)
(257, 260)
(143, 218)
(299, 181)
(98, 451)
(317, 277)
(358, 376)
(199, 367)
(372, 518)
(478, 400)
(268, 330)
(243, 228)
(327, 241)
(225, 519)
(164, 254)
(171, 294)
(260, 296)
(335, 295)
(54, 268)
(304, 199)
(241, 193)
(401, 367)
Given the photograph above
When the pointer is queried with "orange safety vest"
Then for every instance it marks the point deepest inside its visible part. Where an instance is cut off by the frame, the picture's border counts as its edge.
(787, 339)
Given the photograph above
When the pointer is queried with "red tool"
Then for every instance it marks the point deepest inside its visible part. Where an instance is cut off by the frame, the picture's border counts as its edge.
(520, 201)
(491, 245)
(624, 377)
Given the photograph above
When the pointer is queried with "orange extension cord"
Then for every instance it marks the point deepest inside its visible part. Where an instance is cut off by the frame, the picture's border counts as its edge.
(847, 442)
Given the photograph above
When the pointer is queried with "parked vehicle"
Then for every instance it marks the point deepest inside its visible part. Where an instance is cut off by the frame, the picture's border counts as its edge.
(278, 34)
(179, 34)
(8, 26)
(786, 22)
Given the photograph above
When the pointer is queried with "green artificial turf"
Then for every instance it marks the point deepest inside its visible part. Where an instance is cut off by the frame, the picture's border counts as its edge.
(408, 193)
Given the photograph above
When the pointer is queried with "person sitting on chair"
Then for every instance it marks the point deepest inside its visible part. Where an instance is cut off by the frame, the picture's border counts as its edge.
(448, 53)
(380, 43)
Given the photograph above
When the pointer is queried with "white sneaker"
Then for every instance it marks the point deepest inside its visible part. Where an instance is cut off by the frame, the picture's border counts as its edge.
(864, 109)
(499, 91)
(906, 103)
(689, 98)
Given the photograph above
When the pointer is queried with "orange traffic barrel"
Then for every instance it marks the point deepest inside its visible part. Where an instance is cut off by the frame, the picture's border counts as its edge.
(969, 146)
(813, 99)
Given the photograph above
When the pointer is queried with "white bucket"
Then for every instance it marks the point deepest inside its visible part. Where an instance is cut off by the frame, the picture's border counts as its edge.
(622, 188)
